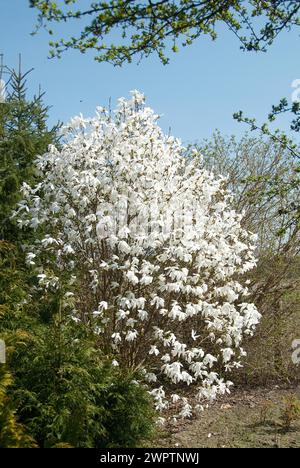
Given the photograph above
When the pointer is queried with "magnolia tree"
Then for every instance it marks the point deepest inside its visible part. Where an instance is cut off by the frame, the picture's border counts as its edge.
(147, 249)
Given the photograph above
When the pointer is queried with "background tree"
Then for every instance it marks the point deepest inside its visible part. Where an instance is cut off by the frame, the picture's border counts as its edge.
(260, 174)
(287, 140)
(144, 27)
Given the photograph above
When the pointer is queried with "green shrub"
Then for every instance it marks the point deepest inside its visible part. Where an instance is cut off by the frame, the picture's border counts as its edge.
(128, 413)
(290, 413)
(68, 394)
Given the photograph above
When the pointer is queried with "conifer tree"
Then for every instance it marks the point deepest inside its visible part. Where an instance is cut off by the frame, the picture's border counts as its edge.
(23, 135)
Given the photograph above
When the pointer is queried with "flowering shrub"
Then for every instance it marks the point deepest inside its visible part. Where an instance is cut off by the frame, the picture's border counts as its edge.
(147, 249)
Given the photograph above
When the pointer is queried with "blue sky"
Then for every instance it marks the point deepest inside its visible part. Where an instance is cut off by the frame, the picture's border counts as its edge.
(197, 92)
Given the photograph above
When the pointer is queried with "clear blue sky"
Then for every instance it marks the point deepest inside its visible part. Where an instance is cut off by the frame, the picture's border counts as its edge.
(197, 92)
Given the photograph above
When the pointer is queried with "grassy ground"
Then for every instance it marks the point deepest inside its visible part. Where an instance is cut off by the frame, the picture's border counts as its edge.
(245, 419)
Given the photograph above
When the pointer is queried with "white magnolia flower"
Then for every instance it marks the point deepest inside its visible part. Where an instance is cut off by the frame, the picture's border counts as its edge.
(132, 277)
(186, 411)
(116, 337)
(227, 354)
(175, 398)
(194, 335)
(143, 315)
(29, 258)
(154, 350)
(103, 305)
(131, 335)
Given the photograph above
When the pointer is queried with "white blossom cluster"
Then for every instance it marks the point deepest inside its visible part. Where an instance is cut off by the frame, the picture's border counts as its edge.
(150, 249)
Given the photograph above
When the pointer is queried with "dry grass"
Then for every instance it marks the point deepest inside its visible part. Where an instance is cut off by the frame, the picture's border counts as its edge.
(245, 419)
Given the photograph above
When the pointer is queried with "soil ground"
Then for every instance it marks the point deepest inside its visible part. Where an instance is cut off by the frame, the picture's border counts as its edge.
(244, 419)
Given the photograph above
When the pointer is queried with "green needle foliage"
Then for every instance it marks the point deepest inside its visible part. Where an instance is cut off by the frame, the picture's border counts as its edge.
(69, 395)
(140, 28)
(23, 135)
(12, 434)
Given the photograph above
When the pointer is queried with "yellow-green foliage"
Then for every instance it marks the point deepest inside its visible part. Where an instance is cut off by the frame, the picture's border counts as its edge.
(12, 434)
